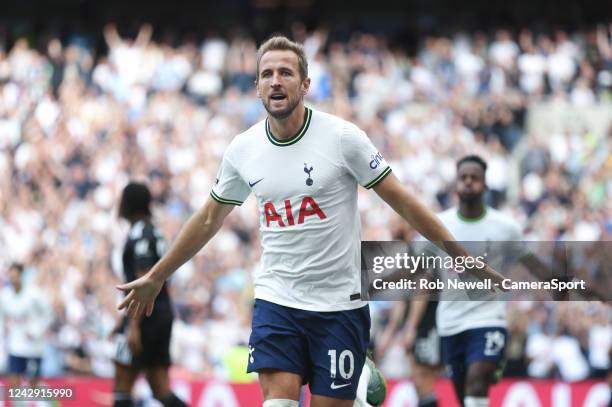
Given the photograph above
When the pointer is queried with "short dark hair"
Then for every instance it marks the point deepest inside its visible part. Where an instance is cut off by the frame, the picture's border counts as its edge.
(281, 43)
(17, 266)
(135, 200)
(473, 158)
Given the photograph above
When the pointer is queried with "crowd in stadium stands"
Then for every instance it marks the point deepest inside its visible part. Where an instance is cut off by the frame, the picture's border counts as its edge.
(76, 126)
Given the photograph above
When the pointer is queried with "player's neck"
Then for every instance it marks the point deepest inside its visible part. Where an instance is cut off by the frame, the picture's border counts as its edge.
(284, 129)
(469, 210)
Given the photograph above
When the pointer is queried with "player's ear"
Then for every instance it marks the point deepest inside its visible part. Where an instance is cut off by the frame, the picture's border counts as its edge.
(257, 89)
(305, 86)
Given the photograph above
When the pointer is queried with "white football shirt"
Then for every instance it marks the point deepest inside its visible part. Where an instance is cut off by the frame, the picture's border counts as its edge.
(494, 234)
(26, 315)
(306, 189)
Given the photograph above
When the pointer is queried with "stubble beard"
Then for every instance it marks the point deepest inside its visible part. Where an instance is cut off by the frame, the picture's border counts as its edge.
(282, 114)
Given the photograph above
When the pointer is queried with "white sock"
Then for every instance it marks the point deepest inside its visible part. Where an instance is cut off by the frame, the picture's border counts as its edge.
(280, 403)
(362, 387)
(471, 401)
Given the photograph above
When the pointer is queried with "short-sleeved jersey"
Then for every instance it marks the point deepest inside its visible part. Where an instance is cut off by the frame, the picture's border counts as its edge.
(306, 189)
(26, 314)
(143, 248)
(494, 234)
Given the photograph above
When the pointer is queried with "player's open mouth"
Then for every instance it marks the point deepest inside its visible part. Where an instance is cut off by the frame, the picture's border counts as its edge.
(278, 96)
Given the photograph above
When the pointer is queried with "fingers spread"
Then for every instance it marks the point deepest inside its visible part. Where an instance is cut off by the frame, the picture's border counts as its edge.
(128, 298)
(150, 309)
(131, 308)
(136, 310)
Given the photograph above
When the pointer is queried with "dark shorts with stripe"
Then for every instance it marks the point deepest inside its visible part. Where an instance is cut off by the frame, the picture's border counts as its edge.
(155, 333)
(328, 349)
(427, 347)
(473, 345)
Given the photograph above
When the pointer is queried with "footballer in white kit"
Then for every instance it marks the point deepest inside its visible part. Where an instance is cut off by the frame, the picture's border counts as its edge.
(473, 331)
(304, 167)
(456, 311)
(26, 315)
(306, 189)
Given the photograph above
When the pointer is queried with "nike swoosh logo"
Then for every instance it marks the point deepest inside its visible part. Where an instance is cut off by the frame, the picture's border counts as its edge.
(335, 386)
(252, 184)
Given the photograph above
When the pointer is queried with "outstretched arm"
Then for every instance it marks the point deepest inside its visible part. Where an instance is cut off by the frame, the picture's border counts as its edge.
(426, 222)
(198, 230)
(144, 35)
(417, 214)
(111, 36)
(543, 272)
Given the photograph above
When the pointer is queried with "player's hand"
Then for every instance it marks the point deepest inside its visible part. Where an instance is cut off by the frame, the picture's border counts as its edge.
(141, 297)
(488, 273)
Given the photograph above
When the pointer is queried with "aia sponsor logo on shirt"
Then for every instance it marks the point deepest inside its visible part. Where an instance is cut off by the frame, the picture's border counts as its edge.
(308, 207)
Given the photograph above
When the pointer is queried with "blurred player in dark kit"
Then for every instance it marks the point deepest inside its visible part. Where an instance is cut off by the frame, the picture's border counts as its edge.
(143, 342)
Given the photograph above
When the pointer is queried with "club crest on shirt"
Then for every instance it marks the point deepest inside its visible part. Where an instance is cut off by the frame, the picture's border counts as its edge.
(307, 170)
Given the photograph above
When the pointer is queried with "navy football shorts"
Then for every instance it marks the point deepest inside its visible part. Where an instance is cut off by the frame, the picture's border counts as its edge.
(472, 345)
(328, 349)
(24, 366)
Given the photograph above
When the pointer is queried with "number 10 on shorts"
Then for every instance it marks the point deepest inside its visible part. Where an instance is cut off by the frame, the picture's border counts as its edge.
(341, 363)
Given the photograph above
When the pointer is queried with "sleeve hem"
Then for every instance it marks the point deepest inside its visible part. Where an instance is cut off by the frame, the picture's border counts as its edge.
(376, 180)
(224, 201)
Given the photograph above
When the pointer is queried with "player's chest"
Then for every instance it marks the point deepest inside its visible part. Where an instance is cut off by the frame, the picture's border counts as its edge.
(17, 305)
(477, 232)
(478, 239)
(289, 174)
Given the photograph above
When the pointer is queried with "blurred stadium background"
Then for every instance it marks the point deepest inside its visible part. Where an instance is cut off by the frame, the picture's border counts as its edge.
(95, 93)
